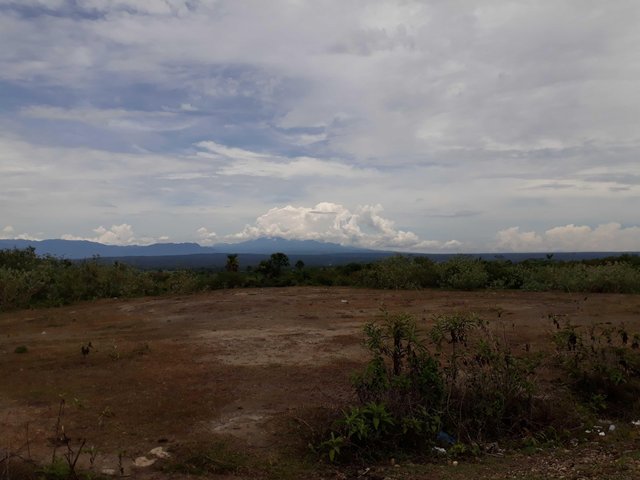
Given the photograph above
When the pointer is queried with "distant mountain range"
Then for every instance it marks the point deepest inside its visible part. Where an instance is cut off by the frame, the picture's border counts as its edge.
(78, 249)
(192, 255)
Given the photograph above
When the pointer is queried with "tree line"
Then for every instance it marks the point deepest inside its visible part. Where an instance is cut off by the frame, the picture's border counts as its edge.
(30, 280)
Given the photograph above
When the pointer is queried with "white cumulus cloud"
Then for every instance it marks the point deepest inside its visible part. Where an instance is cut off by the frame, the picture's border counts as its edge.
(575, 238)
(205, 237)
(116, 235)
(331, 222)
(9, 233)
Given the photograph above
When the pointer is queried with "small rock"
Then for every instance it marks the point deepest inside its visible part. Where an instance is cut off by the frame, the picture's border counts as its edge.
(454, 463)
(440, 450)
(612, 428)
(108, 471)
(602, 434)
(635, 423)
(493, 448)
(144, 461)
(159, 452)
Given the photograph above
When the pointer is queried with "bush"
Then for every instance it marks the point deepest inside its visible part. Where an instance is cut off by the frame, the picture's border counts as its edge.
(490, 391)
(400, 273)
(601, 364)
(463, 273)
(400, 394)
(503, 275)
(473, 386)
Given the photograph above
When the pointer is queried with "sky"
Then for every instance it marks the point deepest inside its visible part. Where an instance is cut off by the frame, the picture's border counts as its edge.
(425, 126)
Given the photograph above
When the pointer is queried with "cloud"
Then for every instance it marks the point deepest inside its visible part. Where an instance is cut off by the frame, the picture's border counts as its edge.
(331, 222)
(205, 237)
(513, 239)
(136, 120)
(255, 164)
(116, 235)
(455, 214)
(9, 233)
(609, 237)
(521, 109)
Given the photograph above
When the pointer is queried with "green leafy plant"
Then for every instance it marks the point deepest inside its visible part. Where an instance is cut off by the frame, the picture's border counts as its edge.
(58, 469)
(400, 393)
(332, 446)
(489, 390)
(602, 366)
(473, 386)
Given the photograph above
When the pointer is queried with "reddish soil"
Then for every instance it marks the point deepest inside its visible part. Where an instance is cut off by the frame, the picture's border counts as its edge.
(238, 365)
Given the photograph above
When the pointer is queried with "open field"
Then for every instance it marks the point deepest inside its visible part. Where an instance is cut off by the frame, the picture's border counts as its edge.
(244, 370)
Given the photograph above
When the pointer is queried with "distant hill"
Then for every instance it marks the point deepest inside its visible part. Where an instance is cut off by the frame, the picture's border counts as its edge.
(192, 255)
(78, 249)
(290, 247)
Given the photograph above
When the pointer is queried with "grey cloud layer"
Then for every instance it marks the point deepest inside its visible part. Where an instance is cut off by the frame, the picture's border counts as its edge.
(462, 119)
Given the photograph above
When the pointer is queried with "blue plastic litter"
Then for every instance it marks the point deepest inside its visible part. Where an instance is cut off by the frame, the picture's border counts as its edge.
(445, 438)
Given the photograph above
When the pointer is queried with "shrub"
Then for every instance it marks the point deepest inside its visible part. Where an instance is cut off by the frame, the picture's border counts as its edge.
(489, 390)
(396, 272)
(602, 366)
(400, 393)
(463, 273)
(503, 274)
(473, 386)
(616, 277)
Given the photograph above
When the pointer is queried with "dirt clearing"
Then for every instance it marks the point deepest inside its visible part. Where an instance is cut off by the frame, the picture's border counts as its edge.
(235, 365)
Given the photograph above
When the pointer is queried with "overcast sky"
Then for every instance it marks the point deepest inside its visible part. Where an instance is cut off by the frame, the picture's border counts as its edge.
(416, 125)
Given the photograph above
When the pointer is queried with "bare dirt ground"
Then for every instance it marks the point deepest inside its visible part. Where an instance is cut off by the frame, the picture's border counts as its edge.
(245, 367)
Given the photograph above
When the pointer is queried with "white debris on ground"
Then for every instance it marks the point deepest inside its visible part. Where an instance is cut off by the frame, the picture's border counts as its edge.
(600, 430)
(159, 452)
(144, 462)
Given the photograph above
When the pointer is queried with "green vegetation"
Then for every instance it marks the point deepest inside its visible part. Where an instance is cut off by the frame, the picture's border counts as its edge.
(400, 393)
(28, 280)
(602, 363)
(458, 389)
(457, 382)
